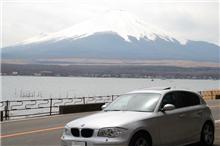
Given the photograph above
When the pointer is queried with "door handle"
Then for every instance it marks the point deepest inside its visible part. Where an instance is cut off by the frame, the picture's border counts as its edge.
(199, 113)
(182, 115)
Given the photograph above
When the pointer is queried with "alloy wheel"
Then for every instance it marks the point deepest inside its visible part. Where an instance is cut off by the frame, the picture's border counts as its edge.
(208, 134)
(141, 142)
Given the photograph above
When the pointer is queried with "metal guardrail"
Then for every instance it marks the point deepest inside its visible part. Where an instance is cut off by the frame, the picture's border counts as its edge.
(43, 107)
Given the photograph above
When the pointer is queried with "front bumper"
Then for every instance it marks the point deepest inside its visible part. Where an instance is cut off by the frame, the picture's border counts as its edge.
(94, 141)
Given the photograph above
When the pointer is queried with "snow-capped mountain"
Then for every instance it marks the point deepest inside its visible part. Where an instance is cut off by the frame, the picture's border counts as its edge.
(121, 22)
(115, 34)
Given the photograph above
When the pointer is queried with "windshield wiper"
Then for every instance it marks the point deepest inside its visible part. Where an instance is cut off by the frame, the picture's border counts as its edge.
(111, 110)
(139, 111)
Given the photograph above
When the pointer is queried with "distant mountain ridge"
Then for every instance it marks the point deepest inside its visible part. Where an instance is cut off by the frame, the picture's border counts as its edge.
(118, 35)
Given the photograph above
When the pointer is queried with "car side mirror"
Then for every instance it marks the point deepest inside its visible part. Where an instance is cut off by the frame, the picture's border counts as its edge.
(168, 107)
(104, 106)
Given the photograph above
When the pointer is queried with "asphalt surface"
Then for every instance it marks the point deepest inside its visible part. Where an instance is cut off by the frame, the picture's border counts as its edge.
(46, 131)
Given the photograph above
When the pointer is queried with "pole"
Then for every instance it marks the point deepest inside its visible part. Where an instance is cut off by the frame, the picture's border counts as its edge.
(51, 106)
(7, 110)
(2, 116)
(84, 100)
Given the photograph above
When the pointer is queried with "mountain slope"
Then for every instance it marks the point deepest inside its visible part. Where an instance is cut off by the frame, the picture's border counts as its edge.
(116, 34)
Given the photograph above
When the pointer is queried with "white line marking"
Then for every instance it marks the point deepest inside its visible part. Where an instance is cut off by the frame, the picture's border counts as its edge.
(31, 132)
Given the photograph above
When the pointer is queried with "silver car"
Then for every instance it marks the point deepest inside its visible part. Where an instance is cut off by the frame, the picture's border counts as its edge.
(156, 117)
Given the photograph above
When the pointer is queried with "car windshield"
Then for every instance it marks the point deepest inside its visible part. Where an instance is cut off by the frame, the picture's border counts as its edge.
(140, 102)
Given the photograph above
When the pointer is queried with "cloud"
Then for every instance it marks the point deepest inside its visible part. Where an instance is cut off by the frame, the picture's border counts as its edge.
(195, 19)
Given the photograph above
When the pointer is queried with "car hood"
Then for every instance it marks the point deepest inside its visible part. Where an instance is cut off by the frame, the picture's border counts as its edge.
(109, 119)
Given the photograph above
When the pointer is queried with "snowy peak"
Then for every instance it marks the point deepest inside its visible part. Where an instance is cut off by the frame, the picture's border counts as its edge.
(113, 35)
(123, 23)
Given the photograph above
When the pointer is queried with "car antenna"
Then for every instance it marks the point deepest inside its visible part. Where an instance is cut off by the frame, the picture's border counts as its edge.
(168, 88)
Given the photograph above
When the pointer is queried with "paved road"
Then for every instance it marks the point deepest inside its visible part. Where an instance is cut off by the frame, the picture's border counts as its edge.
(46, 131)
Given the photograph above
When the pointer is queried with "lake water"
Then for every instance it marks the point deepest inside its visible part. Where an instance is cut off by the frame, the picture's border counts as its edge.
(29, 87)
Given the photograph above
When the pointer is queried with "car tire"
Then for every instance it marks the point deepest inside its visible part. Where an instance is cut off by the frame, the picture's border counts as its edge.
(140, 139)
(207, 134)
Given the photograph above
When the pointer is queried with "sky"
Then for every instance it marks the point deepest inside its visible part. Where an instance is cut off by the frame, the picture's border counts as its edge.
(187, 19)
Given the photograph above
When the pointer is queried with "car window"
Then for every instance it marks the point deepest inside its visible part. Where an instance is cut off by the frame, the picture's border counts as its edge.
(168, 99)
(181, 99)
(190, 99)
(174, 98)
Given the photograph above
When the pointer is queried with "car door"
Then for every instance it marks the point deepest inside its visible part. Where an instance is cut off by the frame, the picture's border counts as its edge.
(193, 116)
(172, 123)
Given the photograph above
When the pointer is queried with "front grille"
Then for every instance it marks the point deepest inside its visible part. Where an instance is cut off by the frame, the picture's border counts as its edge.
(87, 133)
(83, 133)
(75, 132)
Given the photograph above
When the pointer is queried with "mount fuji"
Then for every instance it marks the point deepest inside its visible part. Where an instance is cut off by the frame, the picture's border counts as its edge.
(113, 35)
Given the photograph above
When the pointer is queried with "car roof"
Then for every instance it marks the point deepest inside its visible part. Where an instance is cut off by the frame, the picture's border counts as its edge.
(159, 90)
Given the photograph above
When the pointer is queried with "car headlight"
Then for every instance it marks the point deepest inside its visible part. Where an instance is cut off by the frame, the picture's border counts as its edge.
(67, 131)
(111, 132)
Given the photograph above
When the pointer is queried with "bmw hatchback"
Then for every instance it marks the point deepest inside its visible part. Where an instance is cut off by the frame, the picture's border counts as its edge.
(156, 117)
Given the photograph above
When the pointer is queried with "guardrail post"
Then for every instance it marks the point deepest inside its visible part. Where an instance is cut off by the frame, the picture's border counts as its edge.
(7, 110)
(84, 100)
(112, 98)
(51, 106)
(2, 115)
